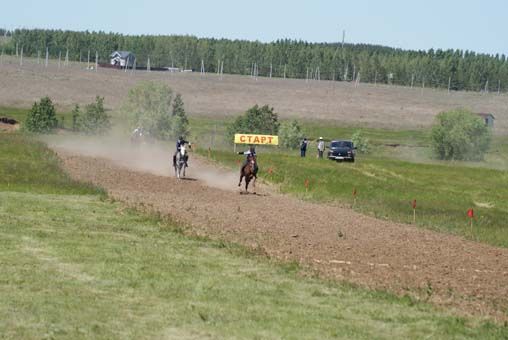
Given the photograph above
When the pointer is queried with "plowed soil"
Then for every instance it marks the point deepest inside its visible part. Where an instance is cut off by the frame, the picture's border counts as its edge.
(338, 243)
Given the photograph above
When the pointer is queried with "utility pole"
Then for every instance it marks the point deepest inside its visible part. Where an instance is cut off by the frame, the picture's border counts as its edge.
(499, 86)
(38, 57)
(487, 86)
(96, 60)
(148, 65)
(88, 63)
(449, 82)
(66, 58)
(271, 70)
(412, 79)
(133, 66)
(21, 58)
(59, 58)
(202, 67)
(284, 71)
(47, 56)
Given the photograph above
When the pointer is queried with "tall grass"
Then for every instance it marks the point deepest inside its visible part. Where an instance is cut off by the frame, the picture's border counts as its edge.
(27, 165)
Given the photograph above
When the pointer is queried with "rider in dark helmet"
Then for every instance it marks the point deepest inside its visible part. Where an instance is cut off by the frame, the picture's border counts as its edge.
(179, 143)
(251, 155)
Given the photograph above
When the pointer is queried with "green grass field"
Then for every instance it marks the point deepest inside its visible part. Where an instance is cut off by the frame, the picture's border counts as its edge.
(75, 265)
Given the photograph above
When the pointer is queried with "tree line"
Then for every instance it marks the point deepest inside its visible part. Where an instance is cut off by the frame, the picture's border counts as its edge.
(454, 69)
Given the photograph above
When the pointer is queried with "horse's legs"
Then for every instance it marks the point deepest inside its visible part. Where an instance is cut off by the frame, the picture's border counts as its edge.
(254, 184)
(184, 170)
(247, 180)
(241, 177)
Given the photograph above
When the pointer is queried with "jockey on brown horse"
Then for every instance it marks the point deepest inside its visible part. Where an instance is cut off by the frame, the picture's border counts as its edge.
(250, 160)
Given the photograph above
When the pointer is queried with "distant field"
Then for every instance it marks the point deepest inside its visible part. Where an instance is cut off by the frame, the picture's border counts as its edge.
(366, 106)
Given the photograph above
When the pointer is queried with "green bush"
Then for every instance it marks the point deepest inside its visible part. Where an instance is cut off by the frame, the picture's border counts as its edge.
(290, 134)
(94, 121)
(42, 117)
(150, 106)
(361, 143)
(261, 120)
(460, 135)
(180, 122)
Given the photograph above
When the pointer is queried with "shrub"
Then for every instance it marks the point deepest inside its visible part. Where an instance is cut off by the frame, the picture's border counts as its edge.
(180, 122)
(257, 119)
(150, 106)
(290, 134)
(361, 143)
(42, 117)
(460, 135)
(94, 120)
(76, 118)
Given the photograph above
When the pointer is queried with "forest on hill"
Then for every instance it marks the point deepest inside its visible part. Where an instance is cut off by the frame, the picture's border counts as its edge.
(454, 69)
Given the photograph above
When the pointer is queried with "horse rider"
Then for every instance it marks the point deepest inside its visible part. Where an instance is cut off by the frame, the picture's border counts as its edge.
(138, 132)
(251, 155)
(180, 142)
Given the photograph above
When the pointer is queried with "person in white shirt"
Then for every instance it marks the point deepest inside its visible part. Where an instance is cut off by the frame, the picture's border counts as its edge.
(321, 147)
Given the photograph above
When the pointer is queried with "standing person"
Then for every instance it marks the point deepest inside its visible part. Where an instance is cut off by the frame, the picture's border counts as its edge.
(321, 147)
(303, 147)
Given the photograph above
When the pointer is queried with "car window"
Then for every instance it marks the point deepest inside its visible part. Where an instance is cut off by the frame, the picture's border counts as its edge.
(341, 144)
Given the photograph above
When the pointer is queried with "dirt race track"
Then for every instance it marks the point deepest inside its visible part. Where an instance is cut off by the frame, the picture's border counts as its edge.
(338, 243)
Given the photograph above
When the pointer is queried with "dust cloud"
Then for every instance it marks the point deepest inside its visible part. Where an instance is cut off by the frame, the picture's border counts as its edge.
(153, 158)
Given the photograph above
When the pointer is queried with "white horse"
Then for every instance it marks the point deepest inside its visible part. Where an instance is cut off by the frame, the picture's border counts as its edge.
(179, 162)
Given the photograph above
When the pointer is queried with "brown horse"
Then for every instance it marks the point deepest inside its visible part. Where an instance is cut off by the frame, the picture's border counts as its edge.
(249, 172)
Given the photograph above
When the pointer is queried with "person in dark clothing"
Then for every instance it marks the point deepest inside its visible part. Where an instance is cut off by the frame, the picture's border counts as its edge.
(251, 155)
(303, 147)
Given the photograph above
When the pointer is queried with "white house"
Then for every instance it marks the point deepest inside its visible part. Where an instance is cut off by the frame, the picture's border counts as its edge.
(122, 58)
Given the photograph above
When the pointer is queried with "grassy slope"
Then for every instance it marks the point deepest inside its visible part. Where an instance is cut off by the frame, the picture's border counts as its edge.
(74, 266)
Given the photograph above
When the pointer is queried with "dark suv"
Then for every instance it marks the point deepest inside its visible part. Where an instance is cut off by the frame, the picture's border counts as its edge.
(341, 150)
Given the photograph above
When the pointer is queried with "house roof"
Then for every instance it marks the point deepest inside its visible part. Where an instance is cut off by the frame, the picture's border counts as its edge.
(485, 115)
(122, 54)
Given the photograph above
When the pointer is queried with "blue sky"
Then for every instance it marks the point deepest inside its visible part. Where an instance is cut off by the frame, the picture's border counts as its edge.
(480, 26)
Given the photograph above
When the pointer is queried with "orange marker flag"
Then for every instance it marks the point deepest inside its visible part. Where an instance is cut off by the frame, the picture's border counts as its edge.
(470, 213)
(413, 204)
(306, 183)
(354, 197)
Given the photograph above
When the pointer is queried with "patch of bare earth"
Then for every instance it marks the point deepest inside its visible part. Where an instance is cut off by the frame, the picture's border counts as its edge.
(338, 243)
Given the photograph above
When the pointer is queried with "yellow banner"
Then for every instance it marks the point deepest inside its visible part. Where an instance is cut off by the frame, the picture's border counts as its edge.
(241, 138)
